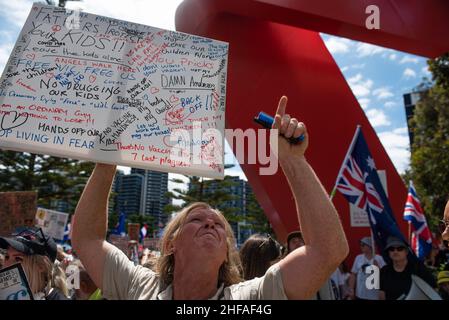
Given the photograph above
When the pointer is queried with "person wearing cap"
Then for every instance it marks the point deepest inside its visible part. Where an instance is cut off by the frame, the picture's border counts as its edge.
(443, 284)
(359, 274)
(330, 289)
(396, 276)
(198, 256)
(36, 252)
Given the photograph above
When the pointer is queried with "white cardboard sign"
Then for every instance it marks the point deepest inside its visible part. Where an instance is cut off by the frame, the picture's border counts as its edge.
(89, 87)
(52, 222)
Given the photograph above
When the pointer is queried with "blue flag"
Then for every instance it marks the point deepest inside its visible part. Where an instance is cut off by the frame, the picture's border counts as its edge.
(120, 226)
(359, 182)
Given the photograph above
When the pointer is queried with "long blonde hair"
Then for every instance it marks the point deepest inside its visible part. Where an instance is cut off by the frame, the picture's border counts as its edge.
(229, 272)
(43, 275)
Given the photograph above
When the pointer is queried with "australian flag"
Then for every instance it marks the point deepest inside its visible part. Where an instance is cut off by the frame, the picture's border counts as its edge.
(360, 184)
(422, 238)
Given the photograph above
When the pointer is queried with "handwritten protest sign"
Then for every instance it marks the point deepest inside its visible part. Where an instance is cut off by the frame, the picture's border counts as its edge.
(17, 209)
(117, 92)
(52, 222)
(133, 231)
(14, 284)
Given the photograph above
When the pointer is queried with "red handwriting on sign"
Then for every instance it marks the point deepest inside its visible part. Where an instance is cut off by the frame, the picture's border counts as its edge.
(176, 115)
(26, 86)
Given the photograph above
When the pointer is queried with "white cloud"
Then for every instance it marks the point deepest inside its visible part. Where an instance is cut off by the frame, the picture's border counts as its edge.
(409, 73)
(383, 93)
(366, 49)
(359, 86)
(364, 102)
(390, 104)
(354, 66)
(408, 59)
(377, 118)
(358, 66)
(393, 56)
(337, 45)
(5, 51)
(397, 143)
(425, 71)
(15, 12)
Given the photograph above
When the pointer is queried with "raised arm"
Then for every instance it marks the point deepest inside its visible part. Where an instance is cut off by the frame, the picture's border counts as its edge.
(306, 269)
(91, 220)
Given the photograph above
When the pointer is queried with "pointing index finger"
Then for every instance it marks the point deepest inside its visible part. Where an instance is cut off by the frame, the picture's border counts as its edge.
(281, 106)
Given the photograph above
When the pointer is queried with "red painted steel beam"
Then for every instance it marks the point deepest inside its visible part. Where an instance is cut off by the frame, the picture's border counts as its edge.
(269, 59)
(419, 27)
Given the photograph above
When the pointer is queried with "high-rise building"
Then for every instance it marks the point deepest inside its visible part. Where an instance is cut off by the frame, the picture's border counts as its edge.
(240, 190)
(410, 101)
(154, 198)
(129, 189)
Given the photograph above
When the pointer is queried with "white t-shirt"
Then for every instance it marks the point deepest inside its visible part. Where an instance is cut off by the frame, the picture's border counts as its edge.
(122, 280)
(358, 268)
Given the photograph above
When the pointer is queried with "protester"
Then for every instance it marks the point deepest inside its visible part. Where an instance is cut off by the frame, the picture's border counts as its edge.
(294, 241)
(359, 273)
(433, 260)
(341, 278)
(149, 259)
(63, 258)
(36, 252)
(86, 290)
(257, 254)
(443, 284)
(329, 290)
(198, 257)
(2, 260)
(396, 276)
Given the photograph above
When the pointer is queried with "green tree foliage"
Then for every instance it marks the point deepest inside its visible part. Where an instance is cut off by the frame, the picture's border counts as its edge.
(53, 178)
(430, 150)
(256, 219)
(200, 190)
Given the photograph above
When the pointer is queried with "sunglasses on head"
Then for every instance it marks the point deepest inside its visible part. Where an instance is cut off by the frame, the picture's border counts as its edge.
(29, 235)
(391, 249)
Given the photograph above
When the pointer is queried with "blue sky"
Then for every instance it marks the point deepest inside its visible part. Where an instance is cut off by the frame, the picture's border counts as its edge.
(377, 76)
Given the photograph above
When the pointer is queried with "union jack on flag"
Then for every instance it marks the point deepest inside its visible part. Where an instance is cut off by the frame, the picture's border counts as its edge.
(359, 183)
(422, 237)
(353, 184)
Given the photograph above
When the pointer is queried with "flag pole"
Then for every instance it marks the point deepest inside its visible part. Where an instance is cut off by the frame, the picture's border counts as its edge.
(410, 232)
(373, 245)
(351, 146)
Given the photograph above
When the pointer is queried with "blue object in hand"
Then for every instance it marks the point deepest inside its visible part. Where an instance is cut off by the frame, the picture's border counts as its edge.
(266, 121)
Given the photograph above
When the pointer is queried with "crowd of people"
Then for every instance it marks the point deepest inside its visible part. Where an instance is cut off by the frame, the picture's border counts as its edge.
(198, 257)
(49, 267)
